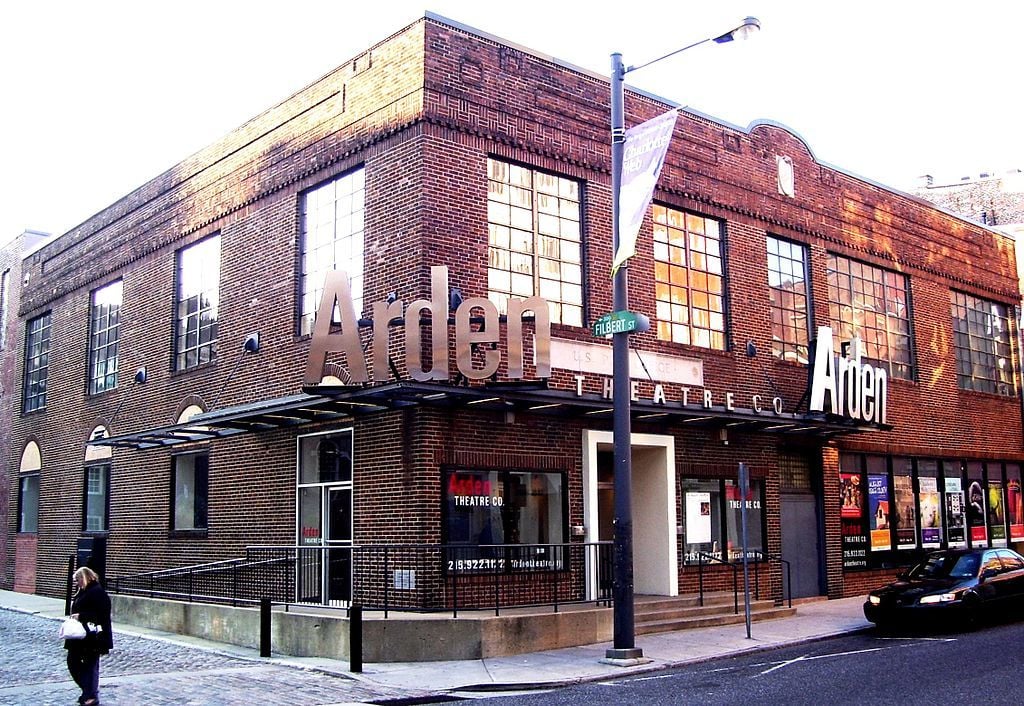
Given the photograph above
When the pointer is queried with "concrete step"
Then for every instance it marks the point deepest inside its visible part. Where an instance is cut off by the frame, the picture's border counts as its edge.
(643, 613)
(647, 627)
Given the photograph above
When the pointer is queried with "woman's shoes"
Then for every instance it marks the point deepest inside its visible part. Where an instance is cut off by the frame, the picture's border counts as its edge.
(91, 702)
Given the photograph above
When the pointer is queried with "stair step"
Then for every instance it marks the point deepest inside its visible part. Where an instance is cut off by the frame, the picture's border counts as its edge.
(648, 626)
(643, 613)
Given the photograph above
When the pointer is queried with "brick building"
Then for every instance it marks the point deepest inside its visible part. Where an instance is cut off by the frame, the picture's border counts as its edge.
(12, 252)
(179, 400)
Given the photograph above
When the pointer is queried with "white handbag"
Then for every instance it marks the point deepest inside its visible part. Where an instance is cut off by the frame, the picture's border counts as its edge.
(71, 629)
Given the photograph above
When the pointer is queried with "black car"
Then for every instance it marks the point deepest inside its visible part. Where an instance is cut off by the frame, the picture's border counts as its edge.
(955, 585)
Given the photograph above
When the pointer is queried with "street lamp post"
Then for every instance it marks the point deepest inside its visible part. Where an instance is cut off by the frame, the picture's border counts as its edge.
(624, 645)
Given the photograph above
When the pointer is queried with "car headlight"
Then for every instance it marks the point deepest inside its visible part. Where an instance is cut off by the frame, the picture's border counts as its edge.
(938, 598)
(874, 600)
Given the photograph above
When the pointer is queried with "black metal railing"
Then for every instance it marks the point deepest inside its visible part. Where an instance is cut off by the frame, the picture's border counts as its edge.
(405, 577)
(762, 559)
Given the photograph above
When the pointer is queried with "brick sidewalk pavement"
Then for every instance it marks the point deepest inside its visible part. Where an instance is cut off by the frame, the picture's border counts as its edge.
(152, 672)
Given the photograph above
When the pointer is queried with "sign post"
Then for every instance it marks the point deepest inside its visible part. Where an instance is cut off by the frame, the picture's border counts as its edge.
(744, 491)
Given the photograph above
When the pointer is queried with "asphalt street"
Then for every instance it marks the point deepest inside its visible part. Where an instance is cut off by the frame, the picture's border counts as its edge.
(149, 671)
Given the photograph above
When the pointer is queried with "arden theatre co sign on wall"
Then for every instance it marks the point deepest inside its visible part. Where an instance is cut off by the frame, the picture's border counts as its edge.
(338, 290)
(852, 389)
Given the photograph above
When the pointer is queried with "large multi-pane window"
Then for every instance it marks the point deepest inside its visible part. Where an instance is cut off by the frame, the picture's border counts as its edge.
(332, 239)
(689, 280)
(535, 246)
(97, 488)
(981, 338)
(37, 362)
(873, 304)
(104, 335)
(28, 503)
(198, 298)
(190, 479)
(787, 287)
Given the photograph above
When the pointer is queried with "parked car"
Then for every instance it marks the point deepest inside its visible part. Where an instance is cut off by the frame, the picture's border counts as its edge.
(954, 586)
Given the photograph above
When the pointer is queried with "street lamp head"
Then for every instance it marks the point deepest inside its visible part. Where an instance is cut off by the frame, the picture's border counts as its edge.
(749, 26)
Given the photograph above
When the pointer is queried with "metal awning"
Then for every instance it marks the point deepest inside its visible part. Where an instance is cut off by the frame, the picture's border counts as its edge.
(325, 403)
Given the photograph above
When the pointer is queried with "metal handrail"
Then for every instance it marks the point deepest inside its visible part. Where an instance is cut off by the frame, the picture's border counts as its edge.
(789, 576)
(701, 556)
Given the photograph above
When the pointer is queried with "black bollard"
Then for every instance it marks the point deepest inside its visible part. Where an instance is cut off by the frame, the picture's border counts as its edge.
(264, 627)
(355, 637)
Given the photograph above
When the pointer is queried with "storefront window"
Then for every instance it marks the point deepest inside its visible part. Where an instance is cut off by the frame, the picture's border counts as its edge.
(931, 506)
(702, 501)
(905, 517)
(956, 505)
(522, 508)
(976, 505)
(1014, 502)
(755, 520)
(879, 504)
(996, 505)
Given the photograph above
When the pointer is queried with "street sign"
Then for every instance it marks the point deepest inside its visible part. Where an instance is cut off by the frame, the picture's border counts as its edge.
(620, 322)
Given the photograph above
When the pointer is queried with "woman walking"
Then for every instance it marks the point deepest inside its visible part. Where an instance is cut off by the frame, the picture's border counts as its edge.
(91, 607)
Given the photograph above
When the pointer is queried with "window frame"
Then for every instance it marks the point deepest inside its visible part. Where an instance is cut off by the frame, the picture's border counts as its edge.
(567, 306)
(104, 468)
(23, 479)
(312, 269)
(104, 337)
(195, 267)
(200, 523)
(5, 305)
(667, 263)
(783, 348)
(37, 366)
(724, 519)
(465, 556)
(992, 384)
(859, 271)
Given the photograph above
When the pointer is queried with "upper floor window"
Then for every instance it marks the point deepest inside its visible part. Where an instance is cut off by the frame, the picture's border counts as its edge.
(97, 491)
(787, 287)
(104, 334)
(332, 239)
(981, 338)
(689, 280)
(37, 361)
(198, 297)
(5, 304)
(534, 240)
(873, 304)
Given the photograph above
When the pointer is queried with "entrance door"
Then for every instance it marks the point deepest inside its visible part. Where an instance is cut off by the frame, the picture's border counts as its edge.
(800, 526)
(338, 532)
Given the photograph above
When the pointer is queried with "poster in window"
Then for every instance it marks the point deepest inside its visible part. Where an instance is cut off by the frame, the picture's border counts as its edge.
(734, 521)
(955, 509)
(996, 513)
(855, 539)
(905, 518)
(976, 513)
(1015, 510)
(931, 519)
(878, 503)
(698, 518)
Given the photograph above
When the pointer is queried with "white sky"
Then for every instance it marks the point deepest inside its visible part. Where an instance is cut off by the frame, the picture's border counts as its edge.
(100, 97)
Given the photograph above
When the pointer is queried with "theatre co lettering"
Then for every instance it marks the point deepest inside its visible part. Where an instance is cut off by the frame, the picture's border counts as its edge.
(853, 389)
(468, 332)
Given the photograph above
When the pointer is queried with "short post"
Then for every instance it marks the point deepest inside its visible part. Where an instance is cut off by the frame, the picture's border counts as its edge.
(744, 489)
(355, 638)
(70, 585)
(265, 627)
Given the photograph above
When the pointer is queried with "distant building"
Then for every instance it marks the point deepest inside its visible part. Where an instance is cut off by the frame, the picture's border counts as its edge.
(992, 199)
(11, 254)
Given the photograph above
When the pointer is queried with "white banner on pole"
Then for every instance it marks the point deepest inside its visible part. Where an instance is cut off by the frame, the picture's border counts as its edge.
(643, 157)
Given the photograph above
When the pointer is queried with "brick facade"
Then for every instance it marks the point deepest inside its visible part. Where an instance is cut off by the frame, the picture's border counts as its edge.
(421, 112)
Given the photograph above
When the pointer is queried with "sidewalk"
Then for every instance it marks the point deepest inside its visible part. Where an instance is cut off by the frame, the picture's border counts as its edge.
(814, 620)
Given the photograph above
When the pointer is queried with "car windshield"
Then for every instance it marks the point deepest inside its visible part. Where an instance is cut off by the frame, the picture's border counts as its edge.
(941, 566)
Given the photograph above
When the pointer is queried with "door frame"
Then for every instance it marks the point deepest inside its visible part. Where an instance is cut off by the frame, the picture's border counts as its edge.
(655, 530)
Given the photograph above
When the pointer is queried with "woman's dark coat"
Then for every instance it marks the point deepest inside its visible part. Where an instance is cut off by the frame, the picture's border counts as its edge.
(92, 604)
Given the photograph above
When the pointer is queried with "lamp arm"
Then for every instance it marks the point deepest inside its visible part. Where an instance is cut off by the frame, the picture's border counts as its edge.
(635, 67)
